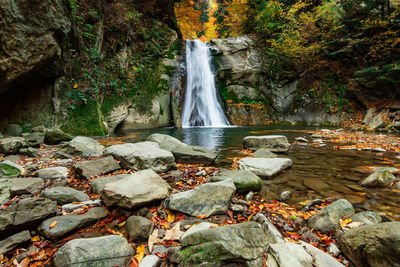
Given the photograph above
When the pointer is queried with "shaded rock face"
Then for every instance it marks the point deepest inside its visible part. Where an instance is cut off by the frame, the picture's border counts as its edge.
(139, 228)
(373, 245)
(97, 167)
(14, 241)
(112, 250)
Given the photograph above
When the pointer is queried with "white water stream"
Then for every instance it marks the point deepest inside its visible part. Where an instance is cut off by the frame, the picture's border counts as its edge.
(201, 106)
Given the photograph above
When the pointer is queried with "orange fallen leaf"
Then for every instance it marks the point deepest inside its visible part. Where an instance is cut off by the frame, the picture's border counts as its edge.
(53, 224)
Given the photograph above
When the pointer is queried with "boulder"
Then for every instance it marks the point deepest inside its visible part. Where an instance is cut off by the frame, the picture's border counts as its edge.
(34, 139)
(239, 243)
(244, 180)
(98, 184)
(82, 146)
(207, 199)
(264, 153)
(272, 234)
(327, 219)
(12, 145)
(372, 245)
(53, 173)
(19, 186)
(25, 214)
(366, 217)
(139, 228)
(112, 250)
(96, 167)
(9, 169)
(55, 136)
(143, 155)
(14, 241)
(4, 190)
(197, 227)
(275, 143)
(164, 138)
(13, 130)
(69, 223)
(134, 190)
(379, 179)
(265, 168)
(392, 170)
(64, 195)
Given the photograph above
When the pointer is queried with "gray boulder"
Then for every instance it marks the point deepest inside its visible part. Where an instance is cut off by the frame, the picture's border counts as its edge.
(9, 169)
(239, 243)
(263, 167)
(98, 184)
(14, 241)
(4, 190)
(244, 180)
(379, 179)
(139, 228)
(197, 227)
(392, 170)
(53, 173)
(143, 155)
(82, 146)
(12, 145)
(55, 136)
(112, 250)
(134, 190)
(96, 167)
(275, 143)
(150, 261)
(372, 245)
(327, 219)
(64, 195)
(19, 186)
(264, 153)
(70, 223)
(207, 199)
(366, 217)
(34, 139)
(164, 138)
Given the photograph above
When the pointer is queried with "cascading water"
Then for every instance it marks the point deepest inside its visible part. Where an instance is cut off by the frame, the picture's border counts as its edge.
(201, 106)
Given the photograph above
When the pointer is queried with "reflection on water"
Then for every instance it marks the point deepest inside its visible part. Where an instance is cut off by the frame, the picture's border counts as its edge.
(316, 172)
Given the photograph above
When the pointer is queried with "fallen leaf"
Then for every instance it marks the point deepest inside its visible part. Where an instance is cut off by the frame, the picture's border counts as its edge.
(36, 238)
(53, 224)
(173, 234)
(140, 251)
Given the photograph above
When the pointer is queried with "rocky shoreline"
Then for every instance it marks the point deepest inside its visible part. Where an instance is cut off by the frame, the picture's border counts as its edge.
(70, 201)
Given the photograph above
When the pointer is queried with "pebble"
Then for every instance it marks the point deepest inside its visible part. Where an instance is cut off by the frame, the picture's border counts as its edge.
(201, 173)
(285, 195)
(71, 207)
(249, 196)
(333, 250)
(237, 208)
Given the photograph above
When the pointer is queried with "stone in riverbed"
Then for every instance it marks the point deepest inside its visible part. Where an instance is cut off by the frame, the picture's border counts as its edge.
(143, 155)
(96, 167)
(244, 180)
(379, 179)
(70, 223)
(112, 250)
(316, 185)
(372, 245)
(98, 184)
(264, 153)
(53, 173)
(34, 139)
(275, 143)
(55, 136)
(327, 219)
(64, 195)
(139, 228)
(150, 261)
(366, 217)
(207, 199)
(137, 189)
(13, 241)
(9, 169)
(19, 186)
(81, 146)
(195, 228)
(239, 243)
(263, 167)
(392, 170)
(12, 145)
(29, 152)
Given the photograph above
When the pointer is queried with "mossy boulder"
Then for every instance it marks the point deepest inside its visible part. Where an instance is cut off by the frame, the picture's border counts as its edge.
(56, 136)
(244, 180)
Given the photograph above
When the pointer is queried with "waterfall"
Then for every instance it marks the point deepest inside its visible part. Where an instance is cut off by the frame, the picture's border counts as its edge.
(201, 106)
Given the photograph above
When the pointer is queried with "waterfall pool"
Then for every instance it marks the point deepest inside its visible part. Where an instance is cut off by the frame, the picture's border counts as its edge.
(317, 172)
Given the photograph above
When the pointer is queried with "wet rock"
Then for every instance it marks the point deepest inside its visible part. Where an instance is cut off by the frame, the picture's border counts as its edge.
(143, 155)
(372, 245)
(25, 214)
(392, 170)
(239, 243)
(69, 223)
(275, 143)
(84, 147)
(14, 241)
(264, 153)
(327, 219)
(13, 130)
(379, 179)
(19, 186)
(150, 261)
(265, 168)
(333, 250)
(29, 151)
(207, 199)
(195, 228)
(112, 250)
(9, 169)
(139, 228)
(64, 195)
(244, 180)
(98, 184)
(97, 167)
(174, 254)
(53, 173)
(316, 185)
(12, 145)
(366, 217)
(55, 136)
(134, 190)
(285, 195)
